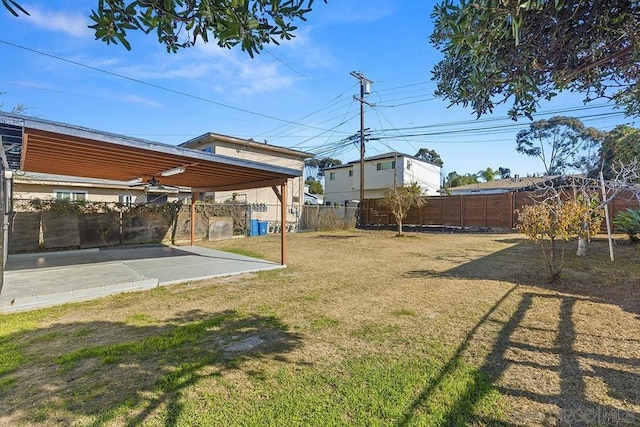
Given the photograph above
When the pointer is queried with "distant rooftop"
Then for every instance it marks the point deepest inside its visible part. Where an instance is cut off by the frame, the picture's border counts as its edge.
(211, 136)
(500, 185)
(389, 155)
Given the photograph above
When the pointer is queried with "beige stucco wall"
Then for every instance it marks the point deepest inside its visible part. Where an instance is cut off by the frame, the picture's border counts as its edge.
(25, 191)
(263, 197)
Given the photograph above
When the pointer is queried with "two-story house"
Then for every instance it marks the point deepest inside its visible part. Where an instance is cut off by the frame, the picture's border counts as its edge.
(342, 183)
(264, 201)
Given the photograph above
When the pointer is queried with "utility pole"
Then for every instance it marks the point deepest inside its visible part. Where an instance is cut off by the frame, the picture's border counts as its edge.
(365, 89)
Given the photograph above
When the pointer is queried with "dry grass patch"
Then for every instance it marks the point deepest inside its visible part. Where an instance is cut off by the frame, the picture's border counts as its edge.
(362, 328)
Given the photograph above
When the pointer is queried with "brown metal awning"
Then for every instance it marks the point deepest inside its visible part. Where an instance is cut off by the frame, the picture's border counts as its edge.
(68, 150)
(63, 149)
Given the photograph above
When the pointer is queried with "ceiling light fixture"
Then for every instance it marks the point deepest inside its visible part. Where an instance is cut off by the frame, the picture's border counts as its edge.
(134, 181)
(173, 171)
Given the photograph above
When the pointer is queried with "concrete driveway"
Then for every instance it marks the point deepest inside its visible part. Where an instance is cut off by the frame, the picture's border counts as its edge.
(44, 279)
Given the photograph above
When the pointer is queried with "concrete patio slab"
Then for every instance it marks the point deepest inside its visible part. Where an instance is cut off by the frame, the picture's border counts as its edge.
(44, 279)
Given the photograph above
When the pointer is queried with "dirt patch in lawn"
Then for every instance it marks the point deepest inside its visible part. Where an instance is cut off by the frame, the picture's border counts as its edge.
(455, 326)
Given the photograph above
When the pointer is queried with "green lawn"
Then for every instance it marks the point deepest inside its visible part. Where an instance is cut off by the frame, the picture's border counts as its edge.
(362, 328)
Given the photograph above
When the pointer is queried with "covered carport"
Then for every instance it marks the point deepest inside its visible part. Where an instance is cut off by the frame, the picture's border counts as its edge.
(58, 148)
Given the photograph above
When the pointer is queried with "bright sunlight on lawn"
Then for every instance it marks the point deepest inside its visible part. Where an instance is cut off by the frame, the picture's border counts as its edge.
(363, 328)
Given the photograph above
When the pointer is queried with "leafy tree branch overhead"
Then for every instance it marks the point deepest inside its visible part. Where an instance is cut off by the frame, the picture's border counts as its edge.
(520, 52)
(180, 23)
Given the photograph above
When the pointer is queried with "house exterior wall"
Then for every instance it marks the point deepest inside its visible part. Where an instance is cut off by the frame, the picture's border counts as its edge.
(427, 175)
(47, 191)
(376, 178)
(265, 203)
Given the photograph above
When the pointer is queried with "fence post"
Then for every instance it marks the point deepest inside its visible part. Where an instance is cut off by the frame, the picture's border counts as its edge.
(461, 211)
(485, 211)
(512, 208)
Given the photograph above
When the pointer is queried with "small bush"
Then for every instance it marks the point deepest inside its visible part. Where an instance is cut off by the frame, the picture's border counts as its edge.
(328, 220)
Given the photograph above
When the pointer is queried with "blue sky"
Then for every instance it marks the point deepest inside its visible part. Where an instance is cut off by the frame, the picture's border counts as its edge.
(298, 94)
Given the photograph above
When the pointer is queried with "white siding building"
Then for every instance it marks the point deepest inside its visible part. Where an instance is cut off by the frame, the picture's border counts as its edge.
(342, 183)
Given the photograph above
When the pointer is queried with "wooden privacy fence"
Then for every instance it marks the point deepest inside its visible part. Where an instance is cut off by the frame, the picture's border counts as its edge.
(477, 210)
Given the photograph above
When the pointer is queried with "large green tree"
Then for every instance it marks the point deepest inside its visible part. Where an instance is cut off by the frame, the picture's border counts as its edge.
(455, 180)
(487, 174)
(315, 165)
(180, 23)
(504, 173)
(429, 156)
(621, 145)
(501, 51)
(562, 143)
(315, 187)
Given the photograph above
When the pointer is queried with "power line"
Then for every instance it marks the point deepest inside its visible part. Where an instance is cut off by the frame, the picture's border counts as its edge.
(478, 129)
(155, 86)
(292, 69)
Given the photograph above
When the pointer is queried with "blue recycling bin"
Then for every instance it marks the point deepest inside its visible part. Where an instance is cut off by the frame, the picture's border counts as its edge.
(262, 228)
(254, 230)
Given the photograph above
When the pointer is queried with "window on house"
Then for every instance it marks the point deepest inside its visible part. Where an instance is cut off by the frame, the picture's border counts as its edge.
(350, 172)
(125, 199)
(157, 199)
(208, 149)
(383, 166)
(70, 195)
(332, 176)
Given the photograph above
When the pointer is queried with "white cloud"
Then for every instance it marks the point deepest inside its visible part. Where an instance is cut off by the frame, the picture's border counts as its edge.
(230, 72)
(73, 24)
(309, 54)
(145, 102)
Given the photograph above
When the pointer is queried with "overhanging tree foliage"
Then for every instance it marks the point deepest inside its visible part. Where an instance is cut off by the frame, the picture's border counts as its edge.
(180, 23)
(562, 143)
(497, 50)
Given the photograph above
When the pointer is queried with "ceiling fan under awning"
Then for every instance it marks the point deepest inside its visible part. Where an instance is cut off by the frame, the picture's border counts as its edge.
(153, 184)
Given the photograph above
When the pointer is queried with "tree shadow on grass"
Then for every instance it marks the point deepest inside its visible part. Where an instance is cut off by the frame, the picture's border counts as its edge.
(526, 357)
(594, 277)
(572, 405)
(98, 372)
